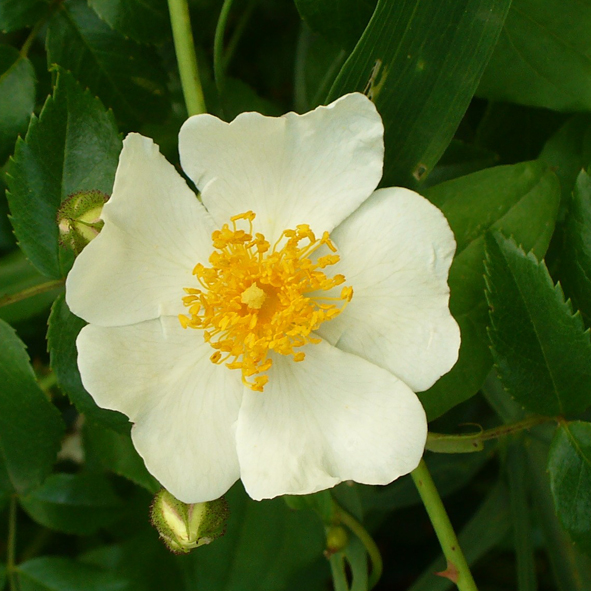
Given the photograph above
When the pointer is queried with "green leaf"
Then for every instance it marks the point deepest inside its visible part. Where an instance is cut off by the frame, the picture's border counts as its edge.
(339, 21)
(126, 76)
(55, 573)
(542, 56)
(17, 97)
(73, 503)
(569, 465)
(541, 350)
(576, 260)
(61, 342)
(72, 146)
(399, 61)
(145, 21)
(2, 576)
(115, 452)
(17, 14)
(30, 426)
(268, 543)
(521, 200)
(17, 274)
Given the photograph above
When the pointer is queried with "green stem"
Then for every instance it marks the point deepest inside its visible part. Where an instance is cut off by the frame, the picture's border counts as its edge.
(457, 567)
(11, 545)
(441, 443)
(186, 58)
(218, 45)
(30, 292)
(237, 34)
(47, 382)
(345, 518)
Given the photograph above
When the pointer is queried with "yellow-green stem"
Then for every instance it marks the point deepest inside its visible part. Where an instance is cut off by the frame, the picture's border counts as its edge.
(218, 45)
(30, 292)
(185, 56)
(375, 557)
(457, 567)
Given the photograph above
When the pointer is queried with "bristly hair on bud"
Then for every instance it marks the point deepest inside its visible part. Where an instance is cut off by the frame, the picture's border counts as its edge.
(79, 218)
(183, 526)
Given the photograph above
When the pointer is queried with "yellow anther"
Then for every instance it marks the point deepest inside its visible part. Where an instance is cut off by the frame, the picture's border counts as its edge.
(257, 298)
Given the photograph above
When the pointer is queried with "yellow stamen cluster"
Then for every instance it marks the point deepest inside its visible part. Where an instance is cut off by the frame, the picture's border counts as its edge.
(257, 298)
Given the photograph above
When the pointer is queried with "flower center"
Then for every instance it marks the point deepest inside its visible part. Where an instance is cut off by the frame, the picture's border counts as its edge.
(256, 298)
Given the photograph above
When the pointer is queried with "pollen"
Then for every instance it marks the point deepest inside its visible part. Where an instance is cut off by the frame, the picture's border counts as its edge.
(256, 298)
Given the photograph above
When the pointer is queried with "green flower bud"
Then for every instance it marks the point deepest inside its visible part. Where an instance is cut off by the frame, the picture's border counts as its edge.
(183, 527)
(337, 539)
(79, 219)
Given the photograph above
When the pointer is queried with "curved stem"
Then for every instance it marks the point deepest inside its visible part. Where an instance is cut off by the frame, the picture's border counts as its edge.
(218, 45)
(372, 550)
(457, 568)
(30, 292)
(11, 545)
(237, 34)
(185, 56)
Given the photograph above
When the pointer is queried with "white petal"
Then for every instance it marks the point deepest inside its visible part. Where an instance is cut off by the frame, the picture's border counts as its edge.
(396, 251)
(329, 418)
(155, 232)
(184, 407)
(314, 168)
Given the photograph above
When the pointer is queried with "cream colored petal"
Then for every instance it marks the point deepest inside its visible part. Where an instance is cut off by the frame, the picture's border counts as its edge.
(155, 232)
(396, 251)
(184, 407)
(297, 169)
(329, 418)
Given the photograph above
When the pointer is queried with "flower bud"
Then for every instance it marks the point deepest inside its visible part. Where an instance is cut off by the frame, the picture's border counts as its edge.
(79, 219)
(337, 539)
(183, 526)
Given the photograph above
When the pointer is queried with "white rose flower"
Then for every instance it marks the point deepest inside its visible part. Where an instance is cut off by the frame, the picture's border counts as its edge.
(276, 331)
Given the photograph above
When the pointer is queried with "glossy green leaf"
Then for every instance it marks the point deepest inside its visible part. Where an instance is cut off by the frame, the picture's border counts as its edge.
(399, 62)
(73, 503)
(568, 151)
(145, 21)
(61, 342)
(521, 200)
(16, 275)
(55, 573)
(487, 527)
(541, 350)
(17, 97)
(269, 543)
(576, 258)
(115, 452)
(339, 21)
(126, 76)
(17, 14)
(542, 58)
(569, 465)
(30, 426)
(72, 146)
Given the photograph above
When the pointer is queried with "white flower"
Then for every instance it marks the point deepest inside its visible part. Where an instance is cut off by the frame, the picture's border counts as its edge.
(339, 403)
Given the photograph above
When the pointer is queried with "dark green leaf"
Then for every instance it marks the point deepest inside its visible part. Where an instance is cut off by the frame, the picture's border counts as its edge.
(402, 73)
(73, 503)
(484, 531)
(569, 150)
(116, 453)
(17, 97)
(2, 576)
(269, 543)
(520, 200)
(17, 274)
(61, 342)
(569, 465)
(30, 426)
(55, 573)
(145, 21)
(339, 21)
(125, 75)
(541, 350)
(72, 146)
(542, 56)
(17, 14)
(238, 97)
(576, 265)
